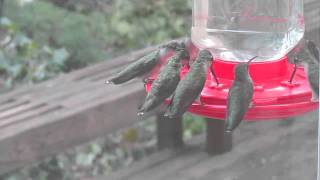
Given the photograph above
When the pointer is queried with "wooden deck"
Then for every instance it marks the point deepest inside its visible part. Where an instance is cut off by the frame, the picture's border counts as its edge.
(43, 120)
(262, 150)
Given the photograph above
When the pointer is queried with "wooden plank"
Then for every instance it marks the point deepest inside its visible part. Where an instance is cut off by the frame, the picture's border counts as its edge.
(291, 156)
(13, 104)
(94, 93)
(108, 65)
(182, 161)
(104, 75)
(6, 102)
(61, 79)
(76, 75)
(19, 109)
(154, 160)
(32, 140)
(16, 142)
(36, 112)
(250, 133)
(260, 141)
(63, 93)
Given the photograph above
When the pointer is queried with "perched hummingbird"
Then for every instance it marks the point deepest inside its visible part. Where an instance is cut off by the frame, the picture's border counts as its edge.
(137, 68)
(308, 56)
(239, 96)
(142, 65)
(190, 87)
(166, 82)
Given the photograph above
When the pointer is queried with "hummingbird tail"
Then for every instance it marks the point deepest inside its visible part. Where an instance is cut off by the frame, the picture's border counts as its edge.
(228, 127)
(228, 130)
(168, 115)
(108, 82)
(141, 110)
(140, 113)
(147, 105)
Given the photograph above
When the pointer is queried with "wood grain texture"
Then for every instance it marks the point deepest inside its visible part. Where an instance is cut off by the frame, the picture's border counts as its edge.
(263, 150)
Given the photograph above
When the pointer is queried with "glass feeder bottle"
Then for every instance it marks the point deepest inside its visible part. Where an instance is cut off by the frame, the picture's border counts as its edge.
(237, 30)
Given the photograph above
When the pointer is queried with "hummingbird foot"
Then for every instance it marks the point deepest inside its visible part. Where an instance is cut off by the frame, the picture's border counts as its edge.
(187, 66)
(168, 115)
(293, 73)
(198, 101)
(147, 80)
(252, 105)
(314, 98)
(214, 75)
(201, 104)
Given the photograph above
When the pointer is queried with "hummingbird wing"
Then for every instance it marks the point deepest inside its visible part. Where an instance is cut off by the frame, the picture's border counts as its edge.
(162, 87)
(188, 90)
(167, 82)
(313, 77)
(137, 68)
(239, 99)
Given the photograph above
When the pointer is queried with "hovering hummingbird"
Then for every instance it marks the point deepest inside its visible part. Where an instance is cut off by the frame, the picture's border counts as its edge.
(190, 87)
(239, 96)
(308, 56)
(143, 65)
(166, 82)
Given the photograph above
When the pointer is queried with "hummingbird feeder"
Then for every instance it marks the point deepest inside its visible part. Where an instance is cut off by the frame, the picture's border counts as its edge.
(234, 32)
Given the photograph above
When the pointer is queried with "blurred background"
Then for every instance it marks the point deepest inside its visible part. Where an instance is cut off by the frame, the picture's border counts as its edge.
(41, 39)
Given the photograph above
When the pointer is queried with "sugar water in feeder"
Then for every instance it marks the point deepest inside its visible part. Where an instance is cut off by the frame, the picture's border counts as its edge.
(236, 30)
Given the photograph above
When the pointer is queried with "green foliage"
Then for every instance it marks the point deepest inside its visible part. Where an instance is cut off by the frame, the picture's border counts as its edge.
(96, 35)
(22, 59)
(193, 125)
(95, 158)
(140, 22)
(83, 36)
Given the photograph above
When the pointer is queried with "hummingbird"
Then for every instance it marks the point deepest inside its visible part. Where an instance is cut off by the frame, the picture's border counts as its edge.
(190, 87)
(166, 82)
(143, 65)
(239, 96)
(308, 56)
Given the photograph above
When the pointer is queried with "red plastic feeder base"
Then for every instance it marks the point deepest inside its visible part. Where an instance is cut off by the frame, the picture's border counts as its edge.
(274, 97)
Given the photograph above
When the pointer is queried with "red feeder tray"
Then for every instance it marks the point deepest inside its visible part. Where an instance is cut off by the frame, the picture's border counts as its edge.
(274, 97)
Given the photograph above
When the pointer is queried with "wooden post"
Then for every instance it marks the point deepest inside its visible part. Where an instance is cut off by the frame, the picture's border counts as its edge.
(217, 141)
(169, 132)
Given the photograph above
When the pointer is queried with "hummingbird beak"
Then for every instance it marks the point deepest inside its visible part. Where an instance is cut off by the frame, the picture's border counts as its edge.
(251, 60)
